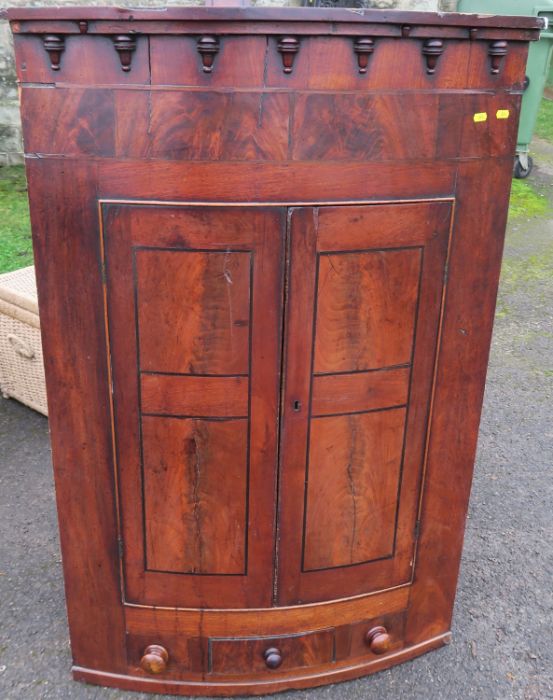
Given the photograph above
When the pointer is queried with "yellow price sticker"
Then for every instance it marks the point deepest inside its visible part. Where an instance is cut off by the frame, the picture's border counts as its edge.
(481, 117)
(502, 114)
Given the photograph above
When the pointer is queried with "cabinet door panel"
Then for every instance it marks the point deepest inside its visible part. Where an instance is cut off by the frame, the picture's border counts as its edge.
(194, 306)
(365, 297)
(212, 336)
(365, 309)
(352, 488)
(193, 524)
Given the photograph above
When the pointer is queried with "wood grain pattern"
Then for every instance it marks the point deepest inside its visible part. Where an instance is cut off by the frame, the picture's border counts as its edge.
(494, 137)
(360, 391)
(164, 394)
(191, 206)
(366, 306)
(350, 640)
(329, 63)
(265, 125)
(86, 60)
(193, 311)
(512, 71)
(187, 654)
(353, 479)
(195, 486)
(462, 364)
(78, 122)
(429, 223)
(196, 685)
(321, 182)
(364, 127)
(397, 225)
(86, 500)
(175, 61)
(211, 288)
(194, 125)
(316, 18)
(265, 621)
(232, 655)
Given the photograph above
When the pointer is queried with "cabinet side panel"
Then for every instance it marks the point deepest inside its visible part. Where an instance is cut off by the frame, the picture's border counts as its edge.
(474, 268)
(65, 231)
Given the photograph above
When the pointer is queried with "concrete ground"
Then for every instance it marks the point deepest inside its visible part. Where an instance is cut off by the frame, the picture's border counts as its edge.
(503, 629)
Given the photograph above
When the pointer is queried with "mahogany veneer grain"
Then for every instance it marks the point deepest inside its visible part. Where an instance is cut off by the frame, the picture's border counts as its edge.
(267, 246)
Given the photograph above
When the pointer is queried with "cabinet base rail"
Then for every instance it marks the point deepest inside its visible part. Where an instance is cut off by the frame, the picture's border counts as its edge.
(333, 673)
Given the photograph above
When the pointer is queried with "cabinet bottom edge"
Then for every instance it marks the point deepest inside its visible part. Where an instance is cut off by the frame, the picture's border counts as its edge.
(258, 686)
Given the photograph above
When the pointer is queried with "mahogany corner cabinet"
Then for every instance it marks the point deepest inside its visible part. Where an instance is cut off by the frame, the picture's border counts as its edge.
(268, 245)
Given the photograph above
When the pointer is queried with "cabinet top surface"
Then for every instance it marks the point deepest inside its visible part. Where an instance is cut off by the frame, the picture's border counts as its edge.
(267, 15)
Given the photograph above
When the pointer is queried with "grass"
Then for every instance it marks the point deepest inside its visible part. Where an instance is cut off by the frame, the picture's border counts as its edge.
(526, 202)
(15, 229)
(544, 124)
(533, 269)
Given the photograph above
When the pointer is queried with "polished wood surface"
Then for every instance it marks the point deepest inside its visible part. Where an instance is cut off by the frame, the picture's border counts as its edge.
(351, 477)
(392, 20)
(187, 513)
(365, 311)
(352, 489)
(212, 337)
(273, 238)
(352, 392)
(155, 659)
(185, 395)
(378, 640)
(195, 429)
(231, 656)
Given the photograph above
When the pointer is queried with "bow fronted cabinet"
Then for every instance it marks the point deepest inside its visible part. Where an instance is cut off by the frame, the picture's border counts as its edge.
(268, 244)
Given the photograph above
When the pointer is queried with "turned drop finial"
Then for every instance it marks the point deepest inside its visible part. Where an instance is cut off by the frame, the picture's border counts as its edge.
(288, 47)
(54, 45)
(208, 48)
(125, 45)
(432, 49)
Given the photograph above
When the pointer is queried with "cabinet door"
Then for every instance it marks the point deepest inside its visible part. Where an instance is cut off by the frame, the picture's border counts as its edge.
(363, 318)
(194, 307)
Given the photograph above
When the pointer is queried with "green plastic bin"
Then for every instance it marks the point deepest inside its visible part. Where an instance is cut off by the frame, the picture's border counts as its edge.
(539, 59)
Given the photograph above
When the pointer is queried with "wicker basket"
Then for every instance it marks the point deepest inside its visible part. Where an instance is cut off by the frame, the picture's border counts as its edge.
(21, 363)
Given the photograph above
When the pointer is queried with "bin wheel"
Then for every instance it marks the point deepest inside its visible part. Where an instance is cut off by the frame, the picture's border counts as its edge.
(520, 172)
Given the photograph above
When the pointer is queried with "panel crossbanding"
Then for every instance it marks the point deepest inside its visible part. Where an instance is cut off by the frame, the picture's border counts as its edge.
(194, 396)
(359, 391)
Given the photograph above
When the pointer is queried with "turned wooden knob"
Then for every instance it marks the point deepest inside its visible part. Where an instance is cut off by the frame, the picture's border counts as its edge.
(378, 640)
(273, 657)
(155, 659)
